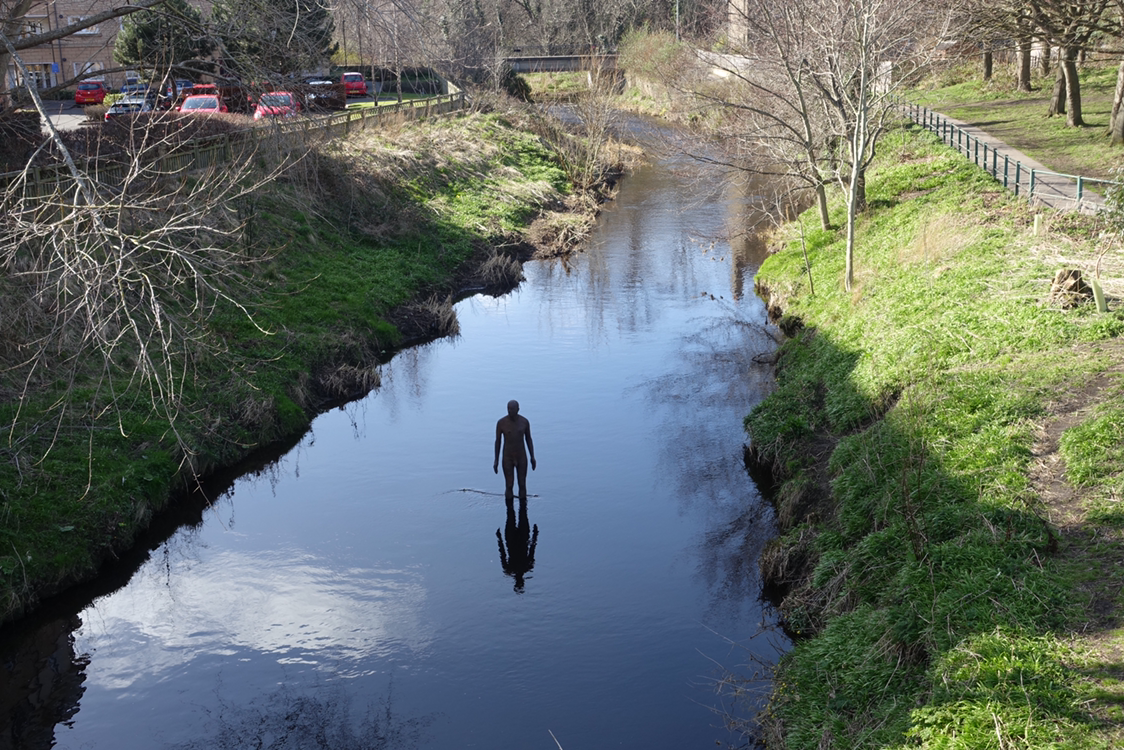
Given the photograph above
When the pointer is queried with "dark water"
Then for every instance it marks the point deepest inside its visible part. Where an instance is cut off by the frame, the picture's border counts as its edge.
(353, 594)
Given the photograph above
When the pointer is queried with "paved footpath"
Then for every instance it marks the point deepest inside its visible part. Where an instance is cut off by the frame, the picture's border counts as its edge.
(1049, 188)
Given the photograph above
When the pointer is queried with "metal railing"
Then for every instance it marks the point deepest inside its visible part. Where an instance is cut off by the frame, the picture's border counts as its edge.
(215, 150)
(1051, 188)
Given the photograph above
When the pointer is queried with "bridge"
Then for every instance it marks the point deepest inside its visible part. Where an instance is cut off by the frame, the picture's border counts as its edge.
(561, 63)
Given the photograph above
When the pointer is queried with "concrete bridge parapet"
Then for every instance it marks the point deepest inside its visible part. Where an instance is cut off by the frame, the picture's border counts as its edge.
(562, 63)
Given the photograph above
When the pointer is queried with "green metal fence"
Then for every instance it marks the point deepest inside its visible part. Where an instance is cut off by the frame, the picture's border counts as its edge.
(1053, 188)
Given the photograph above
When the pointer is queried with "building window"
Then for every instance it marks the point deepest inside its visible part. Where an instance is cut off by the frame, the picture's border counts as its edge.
(31, 28)
(39, 75)
(83, 68)
(78, 19)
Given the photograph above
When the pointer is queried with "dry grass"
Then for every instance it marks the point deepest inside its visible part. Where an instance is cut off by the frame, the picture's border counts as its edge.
(501, 271)
(350, 381)
(1061, 246)
(557, 233)
(435, 316)
(939, 238)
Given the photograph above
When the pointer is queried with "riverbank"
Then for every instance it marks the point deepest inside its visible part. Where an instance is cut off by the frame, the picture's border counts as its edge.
(946, 440)
(359, 248)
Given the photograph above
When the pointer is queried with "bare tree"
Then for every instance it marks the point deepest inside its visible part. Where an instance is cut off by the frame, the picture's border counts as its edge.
(858, 61)
(1069, 25)
(109, 275)
(820, 78)
(776, 92)
(1002, 20)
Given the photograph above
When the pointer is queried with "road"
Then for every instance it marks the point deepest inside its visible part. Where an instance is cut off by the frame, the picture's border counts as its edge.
(65, 115)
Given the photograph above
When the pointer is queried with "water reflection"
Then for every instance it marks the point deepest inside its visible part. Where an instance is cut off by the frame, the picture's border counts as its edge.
(518, 559)
(299, 609)
(41, 685)
(290, 719)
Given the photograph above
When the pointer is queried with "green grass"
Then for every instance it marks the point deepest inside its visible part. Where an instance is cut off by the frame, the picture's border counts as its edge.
(356, 230)
(935, 609)
(1094, 450)
(1020, 118)
(556, 85)
(386, 98)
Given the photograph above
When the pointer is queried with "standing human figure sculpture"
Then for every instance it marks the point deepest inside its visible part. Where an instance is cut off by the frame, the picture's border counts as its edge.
(513, 431)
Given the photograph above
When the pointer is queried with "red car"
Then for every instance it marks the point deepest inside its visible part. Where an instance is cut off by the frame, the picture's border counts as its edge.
(90, 92)
(277, 104)
(203, 103)
(354, 84)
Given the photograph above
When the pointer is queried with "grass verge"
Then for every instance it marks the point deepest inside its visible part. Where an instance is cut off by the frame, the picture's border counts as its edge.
(360, 248)
(946, 442)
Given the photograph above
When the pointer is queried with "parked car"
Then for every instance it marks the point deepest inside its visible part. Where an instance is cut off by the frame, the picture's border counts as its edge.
(277, 104)
(354, 84)
(130, 105)
(321, 93)
(130, 89)
(178, 87)
(231, 94)
(203, 103)
(90, 92)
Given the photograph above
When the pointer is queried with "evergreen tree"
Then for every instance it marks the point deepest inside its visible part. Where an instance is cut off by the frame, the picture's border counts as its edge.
(159, 40)
(274, 37)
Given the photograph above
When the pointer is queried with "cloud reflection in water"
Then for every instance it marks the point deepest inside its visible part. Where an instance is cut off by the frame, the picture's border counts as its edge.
(295, 607)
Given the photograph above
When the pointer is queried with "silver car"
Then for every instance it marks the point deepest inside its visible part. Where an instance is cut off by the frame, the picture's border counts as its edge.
(129, 105)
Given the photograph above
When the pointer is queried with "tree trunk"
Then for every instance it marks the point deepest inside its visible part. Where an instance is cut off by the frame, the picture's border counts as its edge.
(1116, 121)
(856, 202)
(11, 24)
(1117, 133)
(1058, 96)
(1044, 60)
(1022, 71)
(860, 191)
(1068, 64)
(821, 204)
(988, 64)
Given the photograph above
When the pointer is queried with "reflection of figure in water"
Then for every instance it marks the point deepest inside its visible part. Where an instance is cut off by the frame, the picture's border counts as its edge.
(513, 430)
(519, 557)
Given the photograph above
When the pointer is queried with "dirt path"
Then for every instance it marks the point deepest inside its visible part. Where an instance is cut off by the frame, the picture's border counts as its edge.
(1092, 550)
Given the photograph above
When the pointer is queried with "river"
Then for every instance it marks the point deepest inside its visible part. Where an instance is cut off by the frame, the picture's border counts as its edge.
(370, 588)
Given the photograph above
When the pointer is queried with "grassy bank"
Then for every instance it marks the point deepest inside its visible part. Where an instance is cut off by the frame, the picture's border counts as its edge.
(357, 248)
(947, 438)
